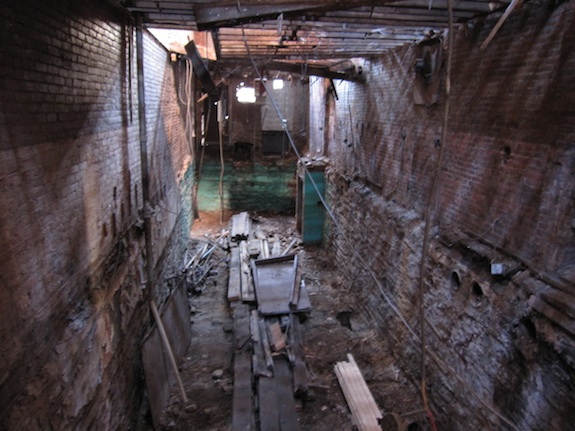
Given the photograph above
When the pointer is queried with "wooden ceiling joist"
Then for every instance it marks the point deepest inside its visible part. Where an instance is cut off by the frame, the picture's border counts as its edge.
(322, 31)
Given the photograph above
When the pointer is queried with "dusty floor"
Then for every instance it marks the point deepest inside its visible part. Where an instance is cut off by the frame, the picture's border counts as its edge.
(330, 331)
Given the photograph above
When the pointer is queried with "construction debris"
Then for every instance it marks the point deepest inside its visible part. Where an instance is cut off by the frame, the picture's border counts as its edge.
(267, 305)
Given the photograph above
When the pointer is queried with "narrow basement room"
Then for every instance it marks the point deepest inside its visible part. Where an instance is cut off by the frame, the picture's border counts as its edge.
(228, 215)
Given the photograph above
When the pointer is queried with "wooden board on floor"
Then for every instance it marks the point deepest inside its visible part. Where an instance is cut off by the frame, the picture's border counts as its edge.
(364, 410)
(300, 385)
(274, 280)
(286, 402)
(259, 364)
(242, 404)
(234, 282)
(303, 303)
(268, 404)
(248, 292)
(241, 324)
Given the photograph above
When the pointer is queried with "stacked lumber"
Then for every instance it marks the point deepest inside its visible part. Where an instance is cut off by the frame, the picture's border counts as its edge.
(364, 411)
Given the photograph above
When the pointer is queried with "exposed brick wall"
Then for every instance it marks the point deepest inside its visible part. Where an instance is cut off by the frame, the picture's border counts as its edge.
(72, 308)
(506, 193)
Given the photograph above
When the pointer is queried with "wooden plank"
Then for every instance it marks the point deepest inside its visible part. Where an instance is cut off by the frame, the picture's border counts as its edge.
(300, 380)
(274, 283)
(553, 314)
(355, 398)
(234, 281)
(363, 386)
(259, 363)
(559, 299)
(268, 404)
(240, 226)
(359, 397)
(364, 410)
(241, 324)
(276, 336)
(242, 403)
(254, 248)
(286, 402)
(248, 291)
(276, 248)
(289, 247)
(304, 303)
(266, 344)
(265, 249)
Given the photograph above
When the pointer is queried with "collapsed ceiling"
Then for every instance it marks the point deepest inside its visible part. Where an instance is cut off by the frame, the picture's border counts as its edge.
(321, 35)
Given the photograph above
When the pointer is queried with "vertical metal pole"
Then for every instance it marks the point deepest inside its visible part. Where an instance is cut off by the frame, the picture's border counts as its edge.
(144, 157)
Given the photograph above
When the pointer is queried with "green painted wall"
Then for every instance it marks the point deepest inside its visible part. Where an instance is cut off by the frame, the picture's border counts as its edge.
(249, 188)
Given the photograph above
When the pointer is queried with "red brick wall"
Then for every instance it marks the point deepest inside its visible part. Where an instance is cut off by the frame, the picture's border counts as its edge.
(507, 184)
(72, 307)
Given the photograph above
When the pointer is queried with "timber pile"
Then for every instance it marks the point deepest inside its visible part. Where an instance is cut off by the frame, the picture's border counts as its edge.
(364, 411)
(270, 374)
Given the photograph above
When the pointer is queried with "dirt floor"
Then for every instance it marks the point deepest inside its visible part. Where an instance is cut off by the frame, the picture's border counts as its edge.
(330, 331)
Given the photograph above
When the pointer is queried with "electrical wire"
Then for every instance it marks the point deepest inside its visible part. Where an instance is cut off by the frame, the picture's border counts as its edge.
(430, 217)
(440, 362)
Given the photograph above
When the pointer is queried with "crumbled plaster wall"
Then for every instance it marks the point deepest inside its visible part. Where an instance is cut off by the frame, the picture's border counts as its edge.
(498, 344)
(72, 304)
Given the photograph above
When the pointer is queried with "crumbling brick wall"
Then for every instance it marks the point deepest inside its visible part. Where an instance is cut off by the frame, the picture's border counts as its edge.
(72, 303)
(505, 196)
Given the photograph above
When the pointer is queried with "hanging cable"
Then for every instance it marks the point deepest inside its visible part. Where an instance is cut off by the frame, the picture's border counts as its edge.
(440, 362)
(430, 216)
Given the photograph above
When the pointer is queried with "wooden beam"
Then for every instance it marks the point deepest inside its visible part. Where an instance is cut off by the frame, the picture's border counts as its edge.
(505, 15)
(232, 13)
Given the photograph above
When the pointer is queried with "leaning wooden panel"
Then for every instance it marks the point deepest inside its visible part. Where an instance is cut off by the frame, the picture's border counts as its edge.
(365, 413)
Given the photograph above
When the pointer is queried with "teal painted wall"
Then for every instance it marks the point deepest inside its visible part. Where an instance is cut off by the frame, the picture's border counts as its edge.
(254, 187)
(313, 211)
